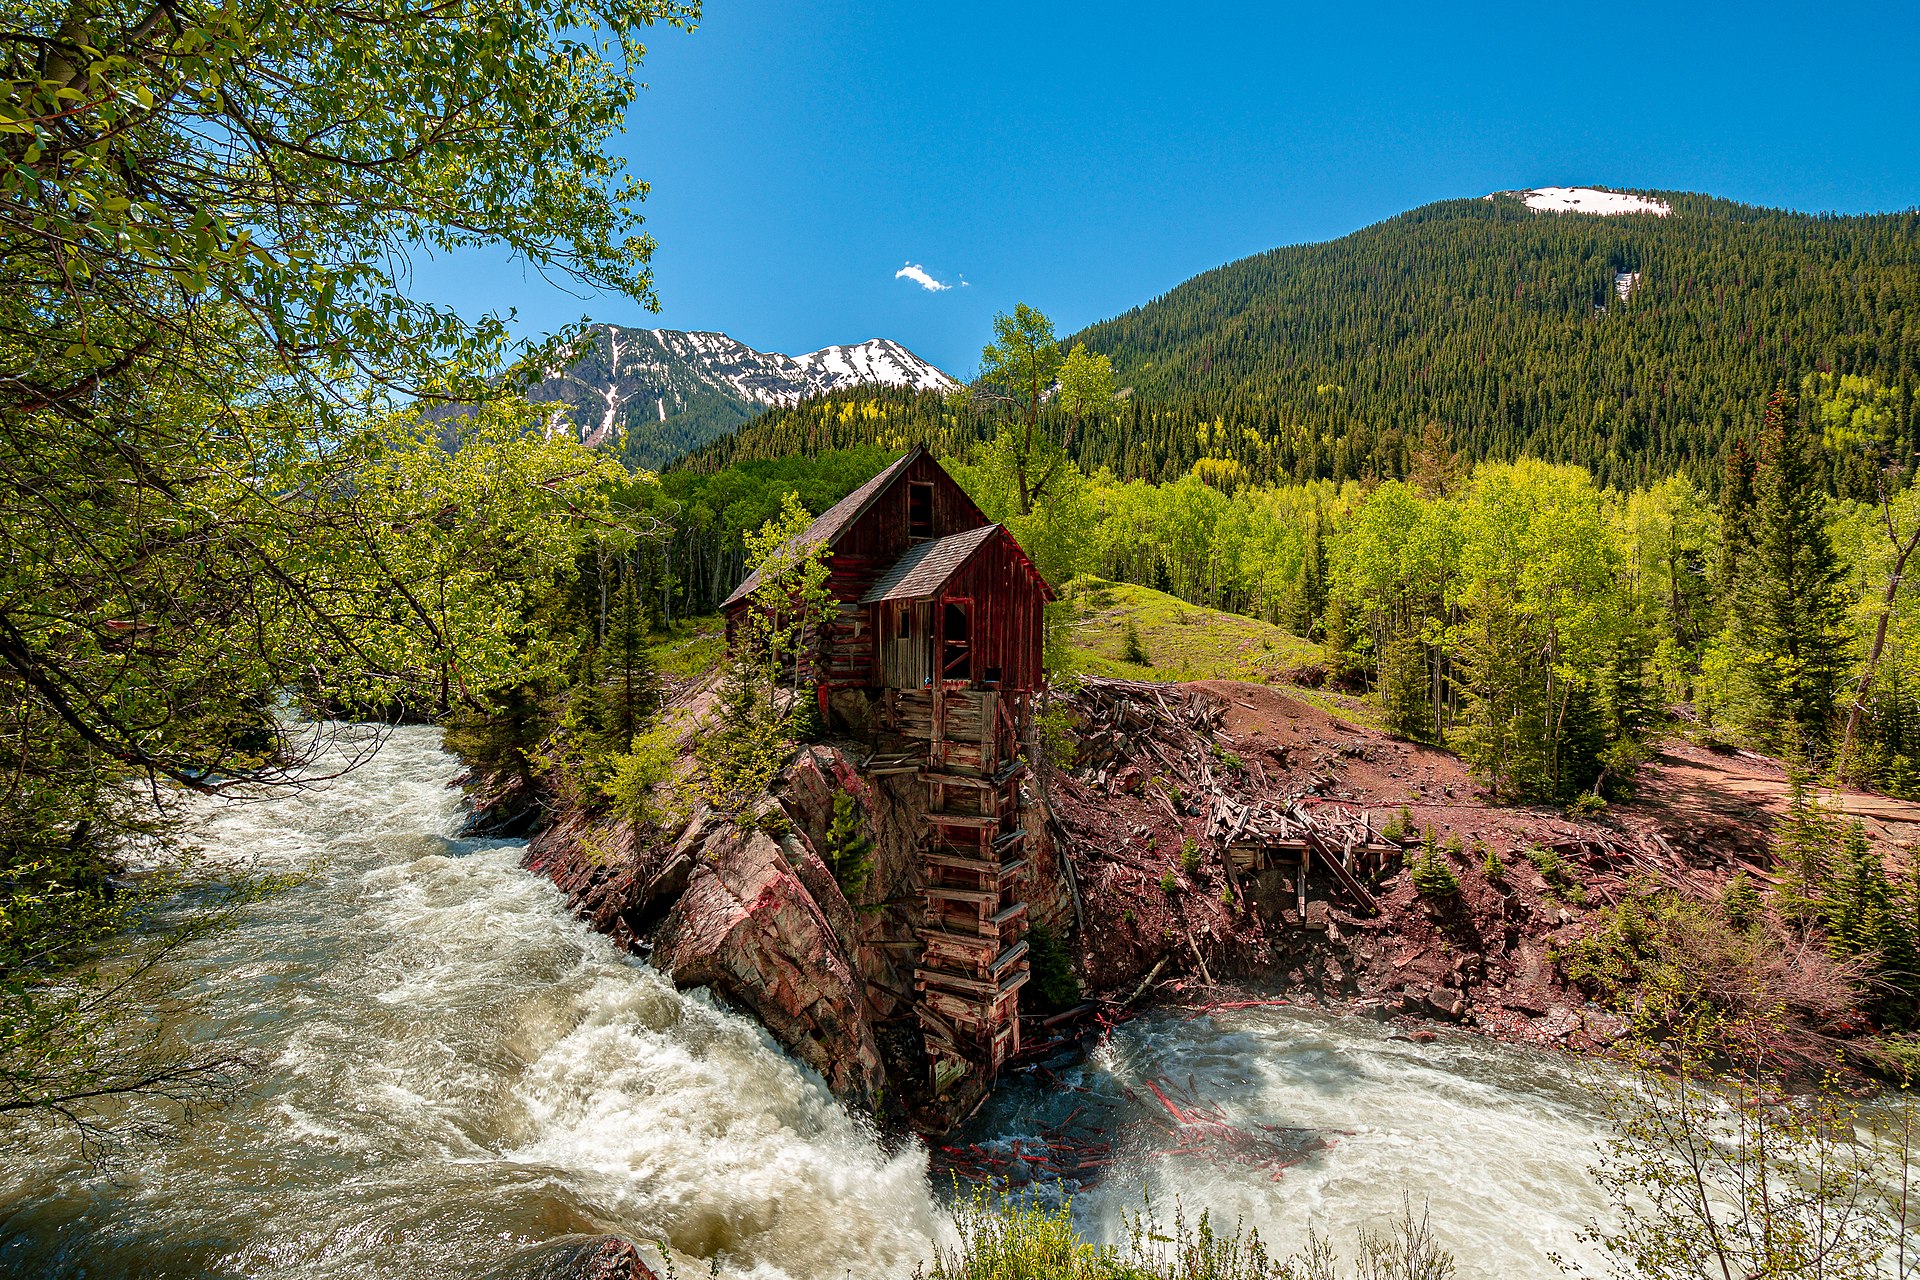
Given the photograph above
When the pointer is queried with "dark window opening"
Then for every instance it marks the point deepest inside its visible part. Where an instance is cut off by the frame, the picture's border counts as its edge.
(919, 510)
(956, 650)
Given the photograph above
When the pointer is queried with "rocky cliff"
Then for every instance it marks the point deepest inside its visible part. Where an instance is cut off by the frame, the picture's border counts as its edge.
(755, 914)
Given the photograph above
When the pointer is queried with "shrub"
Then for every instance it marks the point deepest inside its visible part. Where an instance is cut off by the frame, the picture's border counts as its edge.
(1677, 964)
(1491, 866)
(1740, 902)
(1136, 649)
(1738, 1173)
(1586, 805)
(1432, 875)
(1398, 826)
(1053, 727)
(1054, 980)
(638, 784)
(1169, 885)
(1560, 877)
(1190, 856)
(1009, 1239)
(849, 847)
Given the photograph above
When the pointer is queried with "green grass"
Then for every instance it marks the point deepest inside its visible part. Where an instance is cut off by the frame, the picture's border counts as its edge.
(1364, 712)
(1011, 1239)
(1184, 641)
(689, 648)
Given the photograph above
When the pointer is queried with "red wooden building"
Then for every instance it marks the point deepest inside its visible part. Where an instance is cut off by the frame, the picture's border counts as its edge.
(938, 637)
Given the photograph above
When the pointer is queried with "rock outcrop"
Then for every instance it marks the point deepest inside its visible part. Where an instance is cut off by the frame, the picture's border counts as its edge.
(754, 913)
(752, 925)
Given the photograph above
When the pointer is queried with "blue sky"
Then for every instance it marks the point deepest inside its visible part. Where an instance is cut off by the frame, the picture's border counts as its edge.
(1086, 157)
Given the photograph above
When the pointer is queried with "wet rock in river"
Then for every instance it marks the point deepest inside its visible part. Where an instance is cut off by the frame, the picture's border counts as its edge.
(575, 1258)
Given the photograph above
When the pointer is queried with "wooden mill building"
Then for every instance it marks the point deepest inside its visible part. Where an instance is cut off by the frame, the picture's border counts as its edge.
(938, 628)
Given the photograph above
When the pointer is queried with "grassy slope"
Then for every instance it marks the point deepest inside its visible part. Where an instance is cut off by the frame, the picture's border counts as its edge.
(1190, 642)
(689, 648)
(1184, 641)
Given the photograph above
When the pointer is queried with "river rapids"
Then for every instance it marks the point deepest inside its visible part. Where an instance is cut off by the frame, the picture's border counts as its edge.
(459, 1069)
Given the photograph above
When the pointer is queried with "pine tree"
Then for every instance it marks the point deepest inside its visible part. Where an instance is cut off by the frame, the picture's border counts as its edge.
(1736, 514)
(627, 686)
(1789, 616)
(850, 848)
(1403, 688)
(1858, 900)
(1310, 600)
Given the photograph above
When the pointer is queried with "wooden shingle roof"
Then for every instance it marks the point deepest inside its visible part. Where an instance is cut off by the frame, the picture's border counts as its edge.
(926, 568)
(836, 519)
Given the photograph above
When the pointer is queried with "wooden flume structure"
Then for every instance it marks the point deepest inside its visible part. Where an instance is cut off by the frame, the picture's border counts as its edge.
(934, 651)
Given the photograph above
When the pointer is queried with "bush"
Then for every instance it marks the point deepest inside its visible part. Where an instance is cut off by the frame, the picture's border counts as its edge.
(1190, 857)
(1491, 866)
(1432, 875)
(638, 784)
(1005, 1239)
(1136, 649)
(1053, 727)
(1740, 902)
(1054, 980)
(849, 848)
(1169, 885)
(1738, 1173)
(1586, 805)
(1398, 826)
(1554, 870)
(1675, 964)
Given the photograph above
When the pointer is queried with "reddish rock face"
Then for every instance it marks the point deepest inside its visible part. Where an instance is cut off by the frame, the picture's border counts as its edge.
(750, 928)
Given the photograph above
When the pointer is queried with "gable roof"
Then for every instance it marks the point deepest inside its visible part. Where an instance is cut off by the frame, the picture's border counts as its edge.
(836, 519)
(926, 568)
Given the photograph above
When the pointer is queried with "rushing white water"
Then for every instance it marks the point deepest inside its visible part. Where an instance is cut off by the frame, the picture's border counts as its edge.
(459, 1069)
(1492, 1142)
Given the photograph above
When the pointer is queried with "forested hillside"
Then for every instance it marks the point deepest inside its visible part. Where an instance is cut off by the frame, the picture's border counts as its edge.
(1634, 346)
(1510, 329)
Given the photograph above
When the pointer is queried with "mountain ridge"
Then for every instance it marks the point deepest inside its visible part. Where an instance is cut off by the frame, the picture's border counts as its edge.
(656, 394)
(1636, 341)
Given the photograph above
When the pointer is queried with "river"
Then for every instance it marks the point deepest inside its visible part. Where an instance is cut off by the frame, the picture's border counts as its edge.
(459, 1069)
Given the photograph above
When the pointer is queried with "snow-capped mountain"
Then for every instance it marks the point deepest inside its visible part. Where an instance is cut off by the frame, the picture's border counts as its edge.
(659, 393)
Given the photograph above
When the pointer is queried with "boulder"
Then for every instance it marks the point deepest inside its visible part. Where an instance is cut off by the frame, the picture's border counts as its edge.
(575, 1258)
(748, 928)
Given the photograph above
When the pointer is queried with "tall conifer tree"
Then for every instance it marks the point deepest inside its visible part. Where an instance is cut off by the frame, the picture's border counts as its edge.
(1789, 617)
(1736, 512)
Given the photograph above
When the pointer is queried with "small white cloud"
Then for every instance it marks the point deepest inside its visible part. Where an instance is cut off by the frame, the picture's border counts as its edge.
(919, 275)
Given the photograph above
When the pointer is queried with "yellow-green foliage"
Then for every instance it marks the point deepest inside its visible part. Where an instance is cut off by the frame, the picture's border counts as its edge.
(639, 783)
(1559, 876)
(1185, 641)
(1004, 1239)
(691, 647)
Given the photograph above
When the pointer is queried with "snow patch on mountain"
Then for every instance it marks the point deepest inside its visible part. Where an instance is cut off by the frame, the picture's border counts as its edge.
(1590, 200)
(680, 372)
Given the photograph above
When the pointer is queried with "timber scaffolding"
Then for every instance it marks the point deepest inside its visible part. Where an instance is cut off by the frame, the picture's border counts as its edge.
(974, 857)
